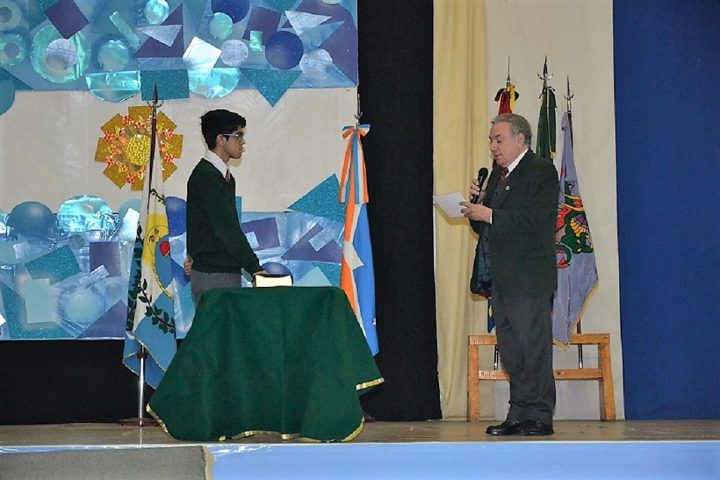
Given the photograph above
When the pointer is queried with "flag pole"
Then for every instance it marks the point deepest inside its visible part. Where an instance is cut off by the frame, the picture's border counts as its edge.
(568, 98)
(141, 420)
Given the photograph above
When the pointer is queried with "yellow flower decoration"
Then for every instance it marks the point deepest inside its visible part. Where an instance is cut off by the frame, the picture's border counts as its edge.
(125, 146)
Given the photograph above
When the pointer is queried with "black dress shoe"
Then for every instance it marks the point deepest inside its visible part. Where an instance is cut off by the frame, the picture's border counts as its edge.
(533, 427)
(508, 427)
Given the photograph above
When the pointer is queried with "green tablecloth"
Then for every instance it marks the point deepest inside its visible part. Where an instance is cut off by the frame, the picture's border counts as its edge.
(291, 360)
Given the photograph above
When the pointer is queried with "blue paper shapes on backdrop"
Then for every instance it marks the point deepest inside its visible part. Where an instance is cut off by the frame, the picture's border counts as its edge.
(132, 204)
(322, 201)
(165, 34)
(316, 246)
(67, 17)
(221, 26)
(196, 11)
(171, 84)
(342, 44)
(215, 83)
(200, 55)
(76, 286)
(234, 52)
(108, 255)
(82, 307)
(101, 22)
(33, 219)
(14, 310)
(272, 84)
(110, 325)
(70, 44)
(331, 272)
(276, 268)
(315, 277)
(284, 50)
(3, 225)
(302, 22)
(255, 41)
(307, 245)
(13, 49)
(39, 301)
(86, 213)
(262, 20)
(15, 313)
(264, 233)
(316, 65)
(156, 11)
(235, 9)
(281, 5)
(11, 15)
(7, 95)
(153, 48)
(57, 59)
(114, 87)
(113, 55)
(176, 208)
(57, 265)
(125, 30)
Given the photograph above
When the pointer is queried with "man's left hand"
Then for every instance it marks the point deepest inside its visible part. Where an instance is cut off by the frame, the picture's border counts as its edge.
(476, 211)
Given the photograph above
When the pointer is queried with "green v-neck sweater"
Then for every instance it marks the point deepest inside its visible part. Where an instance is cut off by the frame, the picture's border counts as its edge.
(215, 240)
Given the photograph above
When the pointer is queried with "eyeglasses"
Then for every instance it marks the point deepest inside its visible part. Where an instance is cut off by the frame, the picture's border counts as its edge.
(239, 136)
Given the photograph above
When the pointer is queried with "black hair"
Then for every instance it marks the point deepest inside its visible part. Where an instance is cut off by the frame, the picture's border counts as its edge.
(216, 122)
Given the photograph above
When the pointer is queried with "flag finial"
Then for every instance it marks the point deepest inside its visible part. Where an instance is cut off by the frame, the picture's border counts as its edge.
(545, 77)
(155, 103)
(507, 80)
(358, 113)
(569, 96)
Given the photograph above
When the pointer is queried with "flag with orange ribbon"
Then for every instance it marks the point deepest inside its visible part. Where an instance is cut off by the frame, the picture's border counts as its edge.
(357, 276)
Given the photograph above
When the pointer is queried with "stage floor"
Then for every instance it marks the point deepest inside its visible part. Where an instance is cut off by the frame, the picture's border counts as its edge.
(376, 432)
(626, 450)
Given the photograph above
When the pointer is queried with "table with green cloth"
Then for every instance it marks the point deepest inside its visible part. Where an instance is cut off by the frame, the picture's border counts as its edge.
(289, 360)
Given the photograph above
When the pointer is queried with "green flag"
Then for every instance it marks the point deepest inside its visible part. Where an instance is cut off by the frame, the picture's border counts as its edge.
(545, 147)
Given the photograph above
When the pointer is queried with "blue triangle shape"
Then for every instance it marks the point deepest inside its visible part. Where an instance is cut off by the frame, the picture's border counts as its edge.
(331, 271)
(272, 84)
(110, 325)
(100, 21)
(322, 201)
(19, 84)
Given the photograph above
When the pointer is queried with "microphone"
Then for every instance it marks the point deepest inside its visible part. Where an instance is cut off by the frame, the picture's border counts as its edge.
(482, 175)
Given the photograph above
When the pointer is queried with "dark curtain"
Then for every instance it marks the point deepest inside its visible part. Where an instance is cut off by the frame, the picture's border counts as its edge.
(396, 91)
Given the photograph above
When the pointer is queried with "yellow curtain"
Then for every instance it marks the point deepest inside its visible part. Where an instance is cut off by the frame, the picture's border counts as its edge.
(460, 149)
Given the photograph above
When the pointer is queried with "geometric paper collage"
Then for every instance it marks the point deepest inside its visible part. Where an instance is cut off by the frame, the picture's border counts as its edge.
(65, 275)
(212, 47)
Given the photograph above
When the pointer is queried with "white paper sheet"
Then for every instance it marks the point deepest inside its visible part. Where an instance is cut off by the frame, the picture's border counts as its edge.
(450, 203)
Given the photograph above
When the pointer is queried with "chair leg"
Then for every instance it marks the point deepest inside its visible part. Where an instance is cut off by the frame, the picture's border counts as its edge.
(473, 400)
(607, 393)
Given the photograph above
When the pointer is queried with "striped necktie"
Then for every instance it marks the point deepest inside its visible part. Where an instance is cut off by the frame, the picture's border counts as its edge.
(503, 174)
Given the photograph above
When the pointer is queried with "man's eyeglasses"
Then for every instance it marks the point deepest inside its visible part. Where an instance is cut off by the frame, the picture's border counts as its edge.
(237, 135)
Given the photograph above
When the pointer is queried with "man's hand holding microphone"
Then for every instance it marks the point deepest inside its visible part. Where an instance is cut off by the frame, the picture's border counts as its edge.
(474, 209)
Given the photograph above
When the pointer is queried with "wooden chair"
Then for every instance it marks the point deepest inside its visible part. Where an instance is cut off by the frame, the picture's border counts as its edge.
(603, 374)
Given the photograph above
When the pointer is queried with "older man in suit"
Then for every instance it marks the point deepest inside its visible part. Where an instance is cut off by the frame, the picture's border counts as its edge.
(516, 221)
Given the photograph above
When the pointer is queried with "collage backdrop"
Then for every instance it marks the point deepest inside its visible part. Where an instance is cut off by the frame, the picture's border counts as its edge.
(75, 76)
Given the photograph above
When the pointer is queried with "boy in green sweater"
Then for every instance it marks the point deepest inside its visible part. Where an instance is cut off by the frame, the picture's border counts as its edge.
(217, 248)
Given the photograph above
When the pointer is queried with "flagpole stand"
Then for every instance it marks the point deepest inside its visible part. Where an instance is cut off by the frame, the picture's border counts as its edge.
(140, 420)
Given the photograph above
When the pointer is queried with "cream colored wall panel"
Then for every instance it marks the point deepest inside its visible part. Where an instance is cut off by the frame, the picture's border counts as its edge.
(48, 142)
(577, 38)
